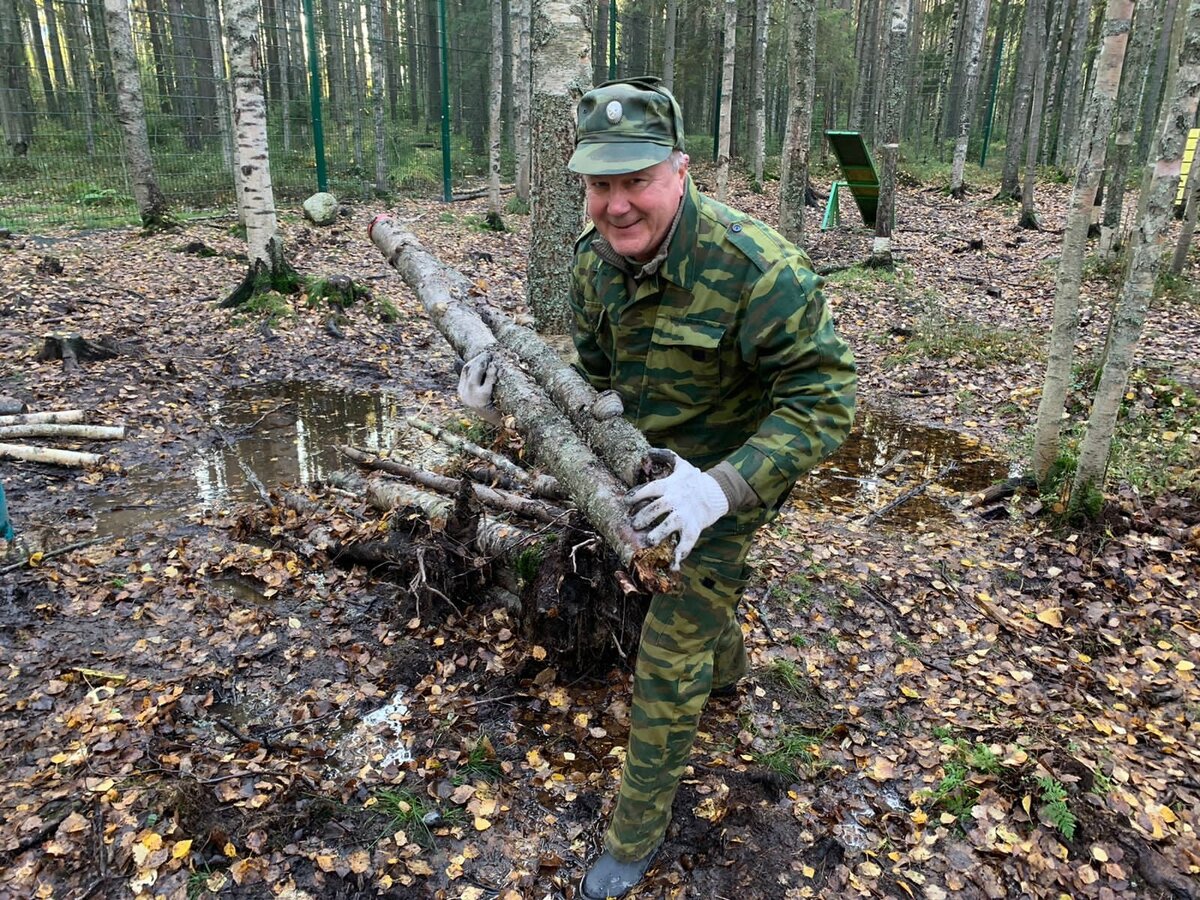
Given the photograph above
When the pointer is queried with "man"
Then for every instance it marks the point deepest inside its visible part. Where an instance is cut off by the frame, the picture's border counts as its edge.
(714, 332)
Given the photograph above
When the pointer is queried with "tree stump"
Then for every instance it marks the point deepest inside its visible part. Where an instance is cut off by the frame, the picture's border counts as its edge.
(73, 348)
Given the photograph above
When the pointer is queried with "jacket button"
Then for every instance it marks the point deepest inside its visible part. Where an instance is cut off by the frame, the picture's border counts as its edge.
(736, 228)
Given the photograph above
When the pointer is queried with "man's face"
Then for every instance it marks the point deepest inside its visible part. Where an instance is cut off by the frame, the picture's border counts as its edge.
(633, 212)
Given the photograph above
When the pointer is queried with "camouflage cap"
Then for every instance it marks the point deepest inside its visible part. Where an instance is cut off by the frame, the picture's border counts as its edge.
(625, 126)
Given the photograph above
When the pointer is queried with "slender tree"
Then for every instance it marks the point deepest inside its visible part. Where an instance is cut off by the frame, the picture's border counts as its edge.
(163, 71)
(758, 101)
(268, 268)
(1152, 90)
(801, 63)
(977, 18)
(1149, 245)
(725, 126)
(1128, 106)
(600, 41)
(54, 39)
(378, 84)
(1073, 88)
(522, 82)
(562, 71)
(16, 104)
(881, 250)
(40, 57)
(495, 131)
(131, 113)
(81, 60)
(1036, 9)
(669, 45)
(212, 18)
(1018, 119)
(1095, 130)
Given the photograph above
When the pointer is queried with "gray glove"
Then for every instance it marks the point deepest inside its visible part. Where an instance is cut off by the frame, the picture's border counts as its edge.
(476, 382)
(687, 501)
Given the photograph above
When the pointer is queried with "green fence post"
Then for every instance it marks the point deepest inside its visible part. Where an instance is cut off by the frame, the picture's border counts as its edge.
(447, 189)
(314, 100)
(612, 40)
(987, 127)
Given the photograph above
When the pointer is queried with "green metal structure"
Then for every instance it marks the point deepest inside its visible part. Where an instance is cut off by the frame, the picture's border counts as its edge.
(860, 177)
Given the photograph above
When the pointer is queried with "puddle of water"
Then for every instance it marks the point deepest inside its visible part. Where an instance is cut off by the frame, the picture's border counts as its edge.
(284, 433)
(886, 455)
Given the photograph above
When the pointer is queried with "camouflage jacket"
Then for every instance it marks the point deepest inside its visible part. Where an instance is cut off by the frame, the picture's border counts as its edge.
(725, 353)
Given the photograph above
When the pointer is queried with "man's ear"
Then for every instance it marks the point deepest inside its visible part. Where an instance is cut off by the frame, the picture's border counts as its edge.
(683, 170)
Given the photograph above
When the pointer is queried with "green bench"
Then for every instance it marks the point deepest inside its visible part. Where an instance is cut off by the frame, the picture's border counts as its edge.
(860, 177)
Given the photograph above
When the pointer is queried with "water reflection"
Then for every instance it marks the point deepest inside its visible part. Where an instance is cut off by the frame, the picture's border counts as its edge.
(886, 454)
(290, 433)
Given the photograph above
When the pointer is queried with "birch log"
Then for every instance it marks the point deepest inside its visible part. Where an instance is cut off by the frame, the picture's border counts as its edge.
(61, 417)
(48, 455)
(70, 432)
(598, 493)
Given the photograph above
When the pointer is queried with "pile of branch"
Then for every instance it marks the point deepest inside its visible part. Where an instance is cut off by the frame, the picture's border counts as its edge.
(58, 426)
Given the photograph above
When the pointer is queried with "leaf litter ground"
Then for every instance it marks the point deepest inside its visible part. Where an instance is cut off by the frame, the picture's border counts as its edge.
(950, 697)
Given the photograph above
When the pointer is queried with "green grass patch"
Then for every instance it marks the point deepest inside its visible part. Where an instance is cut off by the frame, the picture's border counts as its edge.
(480, 763)
(408, 811)
(981, 346)
(271, 305)
(795, 753)
(1176, 290)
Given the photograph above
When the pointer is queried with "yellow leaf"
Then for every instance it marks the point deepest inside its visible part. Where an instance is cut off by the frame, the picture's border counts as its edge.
(883, 770)
(919, 817)
(181, 849)
(482, 824)
(99, 785)
(1026, 803)
(360, 861)
(35, 559)
(1185, 665)
(1099, 854)
(539, 653)
(1051, 616)
(229, 850)
(326, 861)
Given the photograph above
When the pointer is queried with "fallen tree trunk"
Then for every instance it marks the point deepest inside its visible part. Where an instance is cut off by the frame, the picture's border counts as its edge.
(597, 492)
(61, 417)
(74, 432)
(48, 455)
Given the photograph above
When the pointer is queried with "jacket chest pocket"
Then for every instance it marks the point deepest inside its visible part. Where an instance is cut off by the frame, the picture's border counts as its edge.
(684, 362)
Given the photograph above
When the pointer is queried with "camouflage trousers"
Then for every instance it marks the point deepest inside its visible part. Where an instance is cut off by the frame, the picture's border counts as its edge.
(691, 642)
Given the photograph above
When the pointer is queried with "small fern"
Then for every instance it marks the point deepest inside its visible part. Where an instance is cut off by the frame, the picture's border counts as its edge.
(1054, 795)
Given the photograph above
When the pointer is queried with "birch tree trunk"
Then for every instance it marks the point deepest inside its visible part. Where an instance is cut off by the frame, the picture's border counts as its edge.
(495, 130)
(1128, 105)
(131, 113)
(1028, 217)
(977, 13)
(881, 250)
(1149, 244)
(268, 268)
(724, 126)
(378, 81)
(1068, 135)
(669, 45)
(1094, 131)
(801, 63)
(522, 83)
(940, 124)
(1155, 75)
(1019, 113)
(758, 136)
(1053, 77)
(562, 72)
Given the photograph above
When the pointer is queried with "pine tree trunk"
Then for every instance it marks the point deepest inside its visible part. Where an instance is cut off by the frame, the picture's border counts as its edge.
(414, 63)
(131, 113)
(185, 84)
(1132, 77)
(15, 111)
(495, 130)
(885, 215)
(1149, 245)
(669, 45)
(1028, 219)
(522, 82)
(257, 198)
(801, 63)
(378, 86)
(941, 124)
(1094, 132)
(867, 39)
(562, 70)
(977, 17)
(1019, 113)
(163, 71)
(42, 60)
(201, 51)
(433, 66)
(725, 126)
(1068, 133)
(758, 134)
(600, 42)
(54, 39)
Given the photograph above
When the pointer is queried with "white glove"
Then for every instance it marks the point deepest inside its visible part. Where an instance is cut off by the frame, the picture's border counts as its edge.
(476, 382)
(687, 501)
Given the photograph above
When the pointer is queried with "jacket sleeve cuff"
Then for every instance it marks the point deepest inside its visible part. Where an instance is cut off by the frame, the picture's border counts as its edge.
(737, 490)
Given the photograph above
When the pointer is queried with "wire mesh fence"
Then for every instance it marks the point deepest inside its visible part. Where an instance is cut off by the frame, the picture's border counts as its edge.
(65, 164)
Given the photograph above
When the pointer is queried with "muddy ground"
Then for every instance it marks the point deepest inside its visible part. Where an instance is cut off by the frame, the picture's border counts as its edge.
(948, 698)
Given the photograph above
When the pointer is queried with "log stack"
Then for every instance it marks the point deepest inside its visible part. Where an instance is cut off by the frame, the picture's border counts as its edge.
(58, 425)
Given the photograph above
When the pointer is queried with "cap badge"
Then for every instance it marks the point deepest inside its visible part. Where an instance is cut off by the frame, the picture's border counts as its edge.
(613, 112)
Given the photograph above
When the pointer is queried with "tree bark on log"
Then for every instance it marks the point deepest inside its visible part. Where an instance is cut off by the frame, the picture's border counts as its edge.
(61, 417)
(597, 492)
(73, 432)
(496, 499)
(48, 455)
